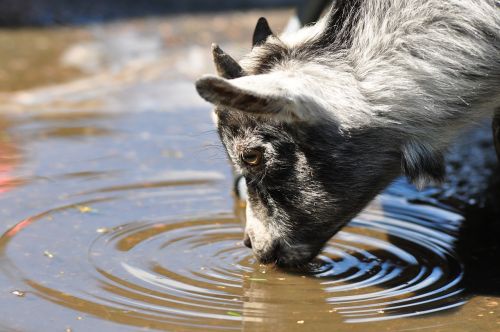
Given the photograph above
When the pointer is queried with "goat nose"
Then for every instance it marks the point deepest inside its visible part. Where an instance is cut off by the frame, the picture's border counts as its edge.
(269, 255)
(247, 241)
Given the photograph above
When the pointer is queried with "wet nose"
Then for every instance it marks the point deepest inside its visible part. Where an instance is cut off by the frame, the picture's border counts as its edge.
(247, 241)
(285, 256)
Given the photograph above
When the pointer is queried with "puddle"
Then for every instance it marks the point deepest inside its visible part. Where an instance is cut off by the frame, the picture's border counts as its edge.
(117, 213)
(121, 222)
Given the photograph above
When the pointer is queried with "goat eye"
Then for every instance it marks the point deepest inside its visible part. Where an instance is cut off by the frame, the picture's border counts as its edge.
(252, 157)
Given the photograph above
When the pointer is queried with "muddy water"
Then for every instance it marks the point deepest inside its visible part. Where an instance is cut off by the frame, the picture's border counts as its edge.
(125, 222)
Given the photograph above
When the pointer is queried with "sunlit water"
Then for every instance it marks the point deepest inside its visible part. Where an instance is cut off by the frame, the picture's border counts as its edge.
(121, 222)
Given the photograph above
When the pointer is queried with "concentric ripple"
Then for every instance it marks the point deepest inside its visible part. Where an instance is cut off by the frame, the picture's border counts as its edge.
(395, 260)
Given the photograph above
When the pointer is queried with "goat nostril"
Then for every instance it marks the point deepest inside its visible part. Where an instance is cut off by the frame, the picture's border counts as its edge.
(247, 242)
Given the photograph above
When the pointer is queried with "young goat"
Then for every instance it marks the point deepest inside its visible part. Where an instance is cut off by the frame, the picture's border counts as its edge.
(322, 120)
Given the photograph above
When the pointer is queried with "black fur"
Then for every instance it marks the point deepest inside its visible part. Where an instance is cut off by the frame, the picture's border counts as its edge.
(338, 34)
(270, 55)
(496, 132)
(424, 164)
(279, 190)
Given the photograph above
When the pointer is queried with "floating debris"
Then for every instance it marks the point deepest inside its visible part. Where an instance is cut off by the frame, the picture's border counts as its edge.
(300, 322)
(103, 230)
(19, 293)
(85, 209)
(234, 314)
(257, 279)
(48, 254)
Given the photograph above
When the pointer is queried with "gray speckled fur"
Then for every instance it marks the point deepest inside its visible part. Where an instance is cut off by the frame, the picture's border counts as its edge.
(375, 89)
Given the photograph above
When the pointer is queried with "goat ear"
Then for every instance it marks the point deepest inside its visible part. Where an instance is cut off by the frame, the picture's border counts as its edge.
(258, 94)
(262, 32)
(422, 165)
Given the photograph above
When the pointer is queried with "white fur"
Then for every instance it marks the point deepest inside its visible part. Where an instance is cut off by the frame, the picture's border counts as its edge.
(261, 236)
(379, 82)
(294, 38)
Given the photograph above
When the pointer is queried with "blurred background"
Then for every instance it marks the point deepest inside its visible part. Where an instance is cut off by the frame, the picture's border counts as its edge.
(50, 42)
(48, 12)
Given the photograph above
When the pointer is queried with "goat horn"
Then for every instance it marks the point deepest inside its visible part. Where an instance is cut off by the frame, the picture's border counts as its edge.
(226, 66)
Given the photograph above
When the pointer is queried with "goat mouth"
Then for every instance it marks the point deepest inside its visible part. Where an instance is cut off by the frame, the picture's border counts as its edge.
(310, 267)
(302, 264)
(290, 258)
(285, 263)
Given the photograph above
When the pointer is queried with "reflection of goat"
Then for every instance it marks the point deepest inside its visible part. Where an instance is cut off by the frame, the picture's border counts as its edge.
(321, 120)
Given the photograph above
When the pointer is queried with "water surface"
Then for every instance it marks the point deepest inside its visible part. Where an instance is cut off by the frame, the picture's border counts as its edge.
(126, 222)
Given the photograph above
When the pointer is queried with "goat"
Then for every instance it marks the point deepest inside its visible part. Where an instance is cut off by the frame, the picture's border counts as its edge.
(321, 120)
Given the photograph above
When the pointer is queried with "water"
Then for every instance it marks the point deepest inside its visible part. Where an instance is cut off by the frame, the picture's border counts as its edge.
(117, 213)
(126, 222)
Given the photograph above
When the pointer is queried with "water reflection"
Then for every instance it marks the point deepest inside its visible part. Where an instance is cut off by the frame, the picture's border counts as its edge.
(9, 157)
(188, 272)
(395, 260)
